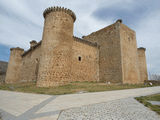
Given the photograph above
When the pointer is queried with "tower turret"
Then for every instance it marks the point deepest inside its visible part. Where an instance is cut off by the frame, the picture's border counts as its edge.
(33, 43)
(14, 65)
(55, 60)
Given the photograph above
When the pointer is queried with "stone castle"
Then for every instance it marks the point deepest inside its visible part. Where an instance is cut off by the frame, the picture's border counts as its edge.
(107, 55)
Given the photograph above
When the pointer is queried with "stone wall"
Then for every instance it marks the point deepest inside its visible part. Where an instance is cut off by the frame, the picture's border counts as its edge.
(85, 61)
(30, 64)
(3, 70)
(129, 55)
(142, 65)
(110, 69)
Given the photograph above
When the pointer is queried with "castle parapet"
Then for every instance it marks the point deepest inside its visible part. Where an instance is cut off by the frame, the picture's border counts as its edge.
(17, 48)
(142, 48)
(59, 9)
(119, 21)
(33, 43)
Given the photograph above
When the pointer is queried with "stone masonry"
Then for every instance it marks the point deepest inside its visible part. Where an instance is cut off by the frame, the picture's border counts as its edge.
(142, 64)
(107, 55)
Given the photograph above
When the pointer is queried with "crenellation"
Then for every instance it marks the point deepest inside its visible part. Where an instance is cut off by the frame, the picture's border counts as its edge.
(119, 21)
(59, 9)
(17, 48)
(86, 42)
(142, 48)
(33, 43)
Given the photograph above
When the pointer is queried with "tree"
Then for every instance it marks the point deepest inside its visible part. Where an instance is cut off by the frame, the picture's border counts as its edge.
(154, 76)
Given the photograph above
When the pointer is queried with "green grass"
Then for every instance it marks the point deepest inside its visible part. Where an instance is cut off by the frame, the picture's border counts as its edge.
(144, 100)
(73, 87)
(0, 116)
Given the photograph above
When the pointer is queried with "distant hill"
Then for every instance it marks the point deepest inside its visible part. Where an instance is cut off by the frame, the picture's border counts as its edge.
(3, 67)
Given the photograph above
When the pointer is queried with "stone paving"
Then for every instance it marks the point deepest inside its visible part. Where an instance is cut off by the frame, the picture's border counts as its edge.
(123, 109)
(26, 106)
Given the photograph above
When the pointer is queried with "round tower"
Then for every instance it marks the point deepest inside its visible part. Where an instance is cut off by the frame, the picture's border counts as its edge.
(14, 65)
(56, 47)
(142, 64)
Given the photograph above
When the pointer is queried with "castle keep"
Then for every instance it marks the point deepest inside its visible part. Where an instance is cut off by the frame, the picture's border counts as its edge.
(107, 55)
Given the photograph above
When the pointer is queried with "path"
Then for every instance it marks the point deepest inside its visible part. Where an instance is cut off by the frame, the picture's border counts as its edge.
(26, 106)
(121, 109)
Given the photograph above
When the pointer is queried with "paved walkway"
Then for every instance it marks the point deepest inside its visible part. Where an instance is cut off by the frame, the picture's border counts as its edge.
(25, 106)
(122, 109)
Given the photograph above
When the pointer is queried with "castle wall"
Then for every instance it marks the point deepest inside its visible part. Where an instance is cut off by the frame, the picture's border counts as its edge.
(129, 55)
(142, 65)
(30, 64)
(85, 62)
(110, 68)
(14, 66)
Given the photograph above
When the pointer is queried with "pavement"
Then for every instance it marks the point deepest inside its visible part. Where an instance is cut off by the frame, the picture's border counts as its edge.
(27, 106)
(121, 109)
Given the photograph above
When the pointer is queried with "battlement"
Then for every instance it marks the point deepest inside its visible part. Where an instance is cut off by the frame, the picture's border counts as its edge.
(59, 9)
(33, 43)
(119, 21)
(142, 48)
(86, 42)
(32, 48)
(17, 48)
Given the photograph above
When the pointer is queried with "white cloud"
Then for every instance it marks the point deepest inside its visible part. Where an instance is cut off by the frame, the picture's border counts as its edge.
(22, 21)
(148, 35)
(24, 15)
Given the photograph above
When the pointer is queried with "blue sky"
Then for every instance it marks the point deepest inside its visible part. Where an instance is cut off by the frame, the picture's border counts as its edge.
(22, 21)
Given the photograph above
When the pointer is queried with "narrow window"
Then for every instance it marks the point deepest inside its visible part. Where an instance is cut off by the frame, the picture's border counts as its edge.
(79, 58)
(129, 38)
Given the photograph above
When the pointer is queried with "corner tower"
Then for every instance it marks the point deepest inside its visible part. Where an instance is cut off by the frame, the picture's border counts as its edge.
(129, 56)
(14, 65)
(142, 64)
(55, 60)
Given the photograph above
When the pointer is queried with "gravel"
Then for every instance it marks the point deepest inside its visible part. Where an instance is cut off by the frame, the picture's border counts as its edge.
(123, 109)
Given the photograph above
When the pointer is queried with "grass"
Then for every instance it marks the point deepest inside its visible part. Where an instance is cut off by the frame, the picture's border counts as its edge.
(73, 87)
(144, 100)
(0, 116)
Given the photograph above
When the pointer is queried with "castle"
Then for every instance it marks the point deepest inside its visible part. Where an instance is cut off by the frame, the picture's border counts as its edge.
(107, 55)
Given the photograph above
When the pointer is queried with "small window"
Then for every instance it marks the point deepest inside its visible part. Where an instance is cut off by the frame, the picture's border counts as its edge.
(79, 58)
(129, 38)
